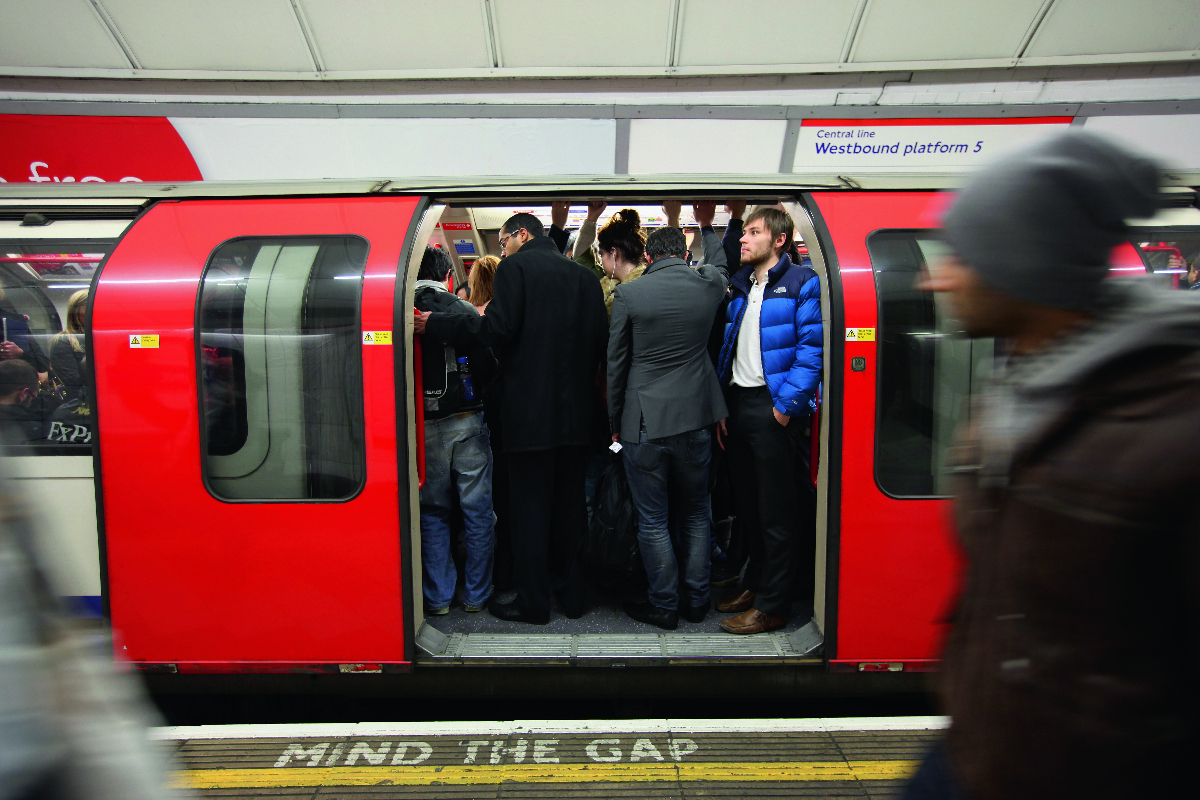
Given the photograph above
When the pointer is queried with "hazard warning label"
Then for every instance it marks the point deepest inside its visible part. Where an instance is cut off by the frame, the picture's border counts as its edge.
(143, 340)
(377, 337)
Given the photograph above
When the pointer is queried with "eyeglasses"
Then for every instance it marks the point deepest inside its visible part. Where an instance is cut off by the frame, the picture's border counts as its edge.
(504, 239)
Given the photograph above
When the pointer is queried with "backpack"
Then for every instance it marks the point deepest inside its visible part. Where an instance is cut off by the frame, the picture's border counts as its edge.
(612, 544)
(442, 382)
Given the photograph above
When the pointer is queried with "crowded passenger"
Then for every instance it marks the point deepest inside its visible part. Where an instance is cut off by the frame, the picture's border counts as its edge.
(546, 323)
(664, 397)
(1075, 503)
(458, 456)
(480, 281)
(622, 252)
(18, 391)
(66, 348)
(771, 360)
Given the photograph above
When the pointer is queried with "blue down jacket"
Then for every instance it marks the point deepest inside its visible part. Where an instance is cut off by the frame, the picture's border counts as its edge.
(789, 332)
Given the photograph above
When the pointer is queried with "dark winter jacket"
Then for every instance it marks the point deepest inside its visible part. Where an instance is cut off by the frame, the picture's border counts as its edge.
(442, 375)
(1067, 673)
(790, 334)
(548, 328)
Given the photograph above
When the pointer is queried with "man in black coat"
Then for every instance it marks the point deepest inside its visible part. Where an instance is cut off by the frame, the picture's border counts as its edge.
(548, 327)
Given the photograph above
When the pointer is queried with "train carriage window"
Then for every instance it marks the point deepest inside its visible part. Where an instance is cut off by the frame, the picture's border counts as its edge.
(38, 279)
(280, 364)
(1172, 257)
(926, 371)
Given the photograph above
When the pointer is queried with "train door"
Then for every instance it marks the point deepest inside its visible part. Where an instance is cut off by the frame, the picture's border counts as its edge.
(902, 382)
(246, 387)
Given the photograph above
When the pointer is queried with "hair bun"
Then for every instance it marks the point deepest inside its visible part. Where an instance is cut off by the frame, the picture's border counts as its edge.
(628, 218)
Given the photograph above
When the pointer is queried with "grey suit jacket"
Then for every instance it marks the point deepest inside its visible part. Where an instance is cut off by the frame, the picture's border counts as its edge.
(659, 370)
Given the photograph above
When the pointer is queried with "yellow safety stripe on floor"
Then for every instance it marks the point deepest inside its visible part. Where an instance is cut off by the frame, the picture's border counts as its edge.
(543, 773)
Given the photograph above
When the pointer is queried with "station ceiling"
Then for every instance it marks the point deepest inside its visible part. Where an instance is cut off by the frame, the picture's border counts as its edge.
(391, 39)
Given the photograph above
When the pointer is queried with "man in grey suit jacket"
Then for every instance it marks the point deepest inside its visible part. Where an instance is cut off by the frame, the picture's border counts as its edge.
(663, 398)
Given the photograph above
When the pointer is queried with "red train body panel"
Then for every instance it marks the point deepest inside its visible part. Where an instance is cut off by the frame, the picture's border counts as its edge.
(195, 579)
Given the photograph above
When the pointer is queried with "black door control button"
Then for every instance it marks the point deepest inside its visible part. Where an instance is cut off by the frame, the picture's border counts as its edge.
(858, 364)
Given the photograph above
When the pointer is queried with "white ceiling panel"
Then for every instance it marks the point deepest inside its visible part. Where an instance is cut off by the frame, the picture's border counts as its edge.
(929, 30)
(359, 35)
(583, 33)
(55, 33)
(213, 34)
(1091, 27)
(716, 32)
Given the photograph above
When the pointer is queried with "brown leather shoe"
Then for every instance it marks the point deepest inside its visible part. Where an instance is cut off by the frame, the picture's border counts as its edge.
(733, 605)
(753, 621)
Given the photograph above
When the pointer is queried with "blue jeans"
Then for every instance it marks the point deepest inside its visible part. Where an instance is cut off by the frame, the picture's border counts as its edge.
(672, 469)
(458, 458)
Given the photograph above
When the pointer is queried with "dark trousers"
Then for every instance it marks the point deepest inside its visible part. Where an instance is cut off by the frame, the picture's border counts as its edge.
(775, 501)
(548, 520)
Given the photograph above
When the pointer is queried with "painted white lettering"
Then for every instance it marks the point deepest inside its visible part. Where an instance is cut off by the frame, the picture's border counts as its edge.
(473, 746)
(644, 748)
(517, 751)
(91, 179)
(337, 752)
(81, 433)
(542, 748)
(33, 172)
(131, 180)
(365, 750)
(57, 432)
(299, 752)
(424, 751)
(614, 752)
(682, 747)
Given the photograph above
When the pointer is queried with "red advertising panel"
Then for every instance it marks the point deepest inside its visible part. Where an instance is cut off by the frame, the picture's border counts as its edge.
(38, 148)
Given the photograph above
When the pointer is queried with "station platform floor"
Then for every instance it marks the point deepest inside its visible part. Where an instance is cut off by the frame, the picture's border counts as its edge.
(760, 758)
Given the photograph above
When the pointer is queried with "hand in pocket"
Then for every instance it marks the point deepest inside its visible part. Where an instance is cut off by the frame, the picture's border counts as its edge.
(782, 419)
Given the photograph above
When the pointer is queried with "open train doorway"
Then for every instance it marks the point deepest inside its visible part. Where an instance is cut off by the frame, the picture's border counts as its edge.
(469, 232)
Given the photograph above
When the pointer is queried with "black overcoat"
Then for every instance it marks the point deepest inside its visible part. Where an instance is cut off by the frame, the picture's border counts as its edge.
(548, 327)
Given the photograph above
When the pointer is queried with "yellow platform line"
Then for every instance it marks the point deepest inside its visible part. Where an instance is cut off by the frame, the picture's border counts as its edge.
(463, 774)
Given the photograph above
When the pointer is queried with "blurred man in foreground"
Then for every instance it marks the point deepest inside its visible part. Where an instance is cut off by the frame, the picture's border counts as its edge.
(1064, 673)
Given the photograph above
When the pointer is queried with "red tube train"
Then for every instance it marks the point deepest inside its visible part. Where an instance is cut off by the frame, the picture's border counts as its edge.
(255, 449)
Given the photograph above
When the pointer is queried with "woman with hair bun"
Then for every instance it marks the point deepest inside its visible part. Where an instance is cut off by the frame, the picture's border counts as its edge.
(622, 252)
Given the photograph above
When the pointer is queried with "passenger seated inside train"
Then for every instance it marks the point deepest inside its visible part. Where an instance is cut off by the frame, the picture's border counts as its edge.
(19, 424)
(608, 562)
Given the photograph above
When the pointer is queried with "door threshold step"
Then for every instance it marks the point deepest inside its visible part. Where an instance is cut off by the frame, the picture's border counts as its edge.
(605, 649)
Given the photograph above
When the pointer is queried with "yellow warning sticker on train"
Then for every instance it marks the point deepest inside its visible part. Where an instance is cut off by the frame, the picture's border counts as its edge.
(860, 334)
(143, 340)
(377, 337)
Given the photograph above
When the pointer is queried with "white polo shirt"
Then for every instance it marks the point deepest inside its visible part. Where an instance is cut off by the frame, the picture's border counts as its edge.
(747, 361)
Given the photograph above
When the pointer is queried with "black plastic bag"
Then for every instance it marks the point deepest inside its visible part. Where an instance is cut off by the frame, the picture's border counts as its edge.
(612, 545)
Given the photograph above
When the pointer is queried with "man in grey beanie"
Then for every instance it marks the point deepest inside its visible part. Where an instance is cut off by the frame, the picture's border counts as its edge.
(1064, 673)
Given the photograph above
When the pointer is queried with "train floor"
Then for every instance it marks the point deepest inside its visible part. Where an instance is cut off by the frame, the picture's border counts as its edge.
(606, 633)
(744, 759)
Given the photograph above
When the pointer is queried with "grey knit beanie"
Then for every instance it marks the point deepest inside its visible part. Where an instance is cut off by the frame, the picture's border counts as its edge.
(1039, 224)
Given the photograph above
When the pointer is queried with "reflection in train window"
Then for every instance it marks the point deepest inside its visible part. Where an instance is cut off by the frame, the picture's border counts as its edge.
(926, 371)
(37, 280)
(1173, 258)
(280, 364)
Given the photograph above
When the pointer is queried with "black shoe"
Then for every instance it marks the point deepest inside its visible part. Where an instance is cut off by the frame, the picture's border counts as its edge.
(653, 615)
(695, 613)
(514, 612)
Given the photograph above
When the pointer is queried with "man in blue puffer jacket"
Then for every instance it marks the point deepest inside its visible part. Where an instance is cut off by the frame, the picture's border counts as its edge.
(771, 363)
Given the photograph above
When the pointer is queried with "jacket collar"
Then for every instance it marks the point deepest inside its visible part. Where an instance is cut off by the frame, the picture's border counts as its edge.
(664, 262)
(540, 243)
(431, 284)
(741, 278)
